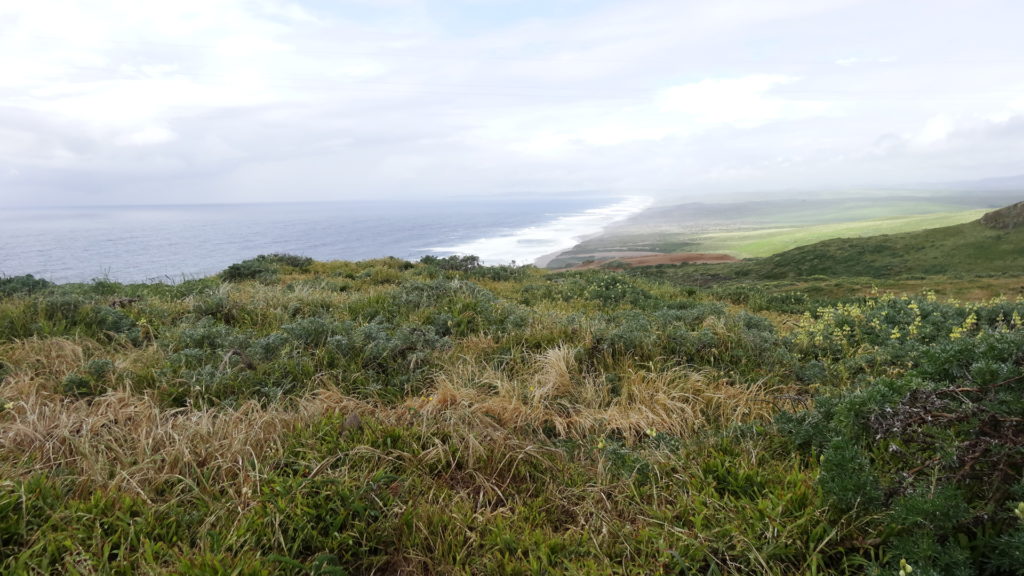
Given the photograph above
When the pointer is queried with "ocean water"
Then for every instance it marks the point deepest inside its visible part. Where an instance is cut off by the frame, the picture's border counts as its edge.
(172, 243)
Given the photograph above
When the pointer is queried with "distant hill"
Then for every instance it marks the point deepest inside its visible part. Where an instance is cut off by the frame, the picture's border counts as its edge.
(1007, 218)
(754, 228)
(992, 245)
(1013, 183)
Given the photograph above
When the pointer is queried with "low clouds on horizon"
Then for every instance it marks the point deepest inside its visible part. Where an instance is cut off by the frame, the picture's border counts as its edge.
(119, 101)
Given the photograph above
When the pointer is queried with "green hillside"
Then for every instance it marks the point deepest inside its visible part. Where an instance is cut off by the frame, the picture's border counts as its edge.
(765, 227)
(765, 242)
(965, 249)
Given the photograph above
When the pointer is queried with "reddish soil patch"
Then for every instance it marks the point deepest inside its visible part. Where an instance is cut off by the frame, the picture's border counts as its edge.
(655, 259)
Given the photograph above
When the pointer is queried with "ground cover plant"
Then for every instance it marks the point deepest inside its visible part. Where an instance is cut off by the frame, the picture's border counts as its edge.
(388, 417)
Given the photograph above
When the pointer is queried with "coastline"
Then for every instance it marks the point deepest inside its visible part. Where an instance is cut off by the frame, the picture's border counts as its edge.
(543, 261)
(542, 243)
(139, 244)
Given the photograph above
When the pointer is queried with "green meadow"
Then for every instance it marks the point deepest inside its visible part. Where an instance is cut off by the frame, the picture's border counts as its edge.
(765, 242)
(761, 228)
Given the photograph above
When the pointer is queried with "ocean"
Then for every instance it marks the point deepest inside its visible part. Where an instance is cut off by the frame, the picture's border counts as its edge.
(173, 243)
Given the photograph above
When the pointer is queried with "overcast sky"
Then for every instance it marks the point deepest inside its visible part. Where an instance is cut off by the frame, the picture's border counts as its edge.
(139, 101)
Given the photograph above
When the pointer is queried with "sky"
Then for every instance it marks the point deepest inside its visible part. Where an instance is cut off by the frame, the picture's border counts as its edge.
(193, 101)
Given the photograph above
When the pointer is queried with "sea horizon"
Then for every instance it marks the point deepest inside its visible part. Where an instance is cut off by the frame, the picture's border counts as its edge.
(176, 242)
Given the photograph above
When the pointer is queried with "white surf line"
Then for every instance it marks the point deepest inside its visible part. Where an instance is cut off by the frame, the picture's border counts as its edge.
(530, 244)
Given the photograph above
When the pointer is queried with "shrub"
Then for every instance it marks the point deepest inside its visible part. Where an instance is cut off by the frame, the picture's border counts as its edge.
(217, 305)
(602, 287)
(27, 284)
(60, 314)
(265, 267)
(254, 269)
(206, 334)
(287, 260)
(109, 323)
(95, 378)
(313, 332)
(933, 458)
(503, 273)
(627, 334)
(397, 351)
(452, 263)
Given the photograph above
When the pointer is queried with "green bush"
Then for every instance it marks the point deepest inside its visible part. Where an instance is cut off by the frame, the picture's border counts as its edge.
(288, 260)
(503, 273)
(628, 333)
(255, 269)
(452, 263)
(929, 451)
(27, 284)
(314, 332)
(96, 377)
(394, 356)
(265, 267)
(63, 314)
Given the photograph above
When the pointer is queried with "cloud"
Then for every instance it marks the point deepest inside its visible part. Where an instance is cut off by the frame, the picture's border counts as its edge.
(672, 112)
(229, 100)
(935, 130)
(740, 102)
(856, 61)
(147, 136)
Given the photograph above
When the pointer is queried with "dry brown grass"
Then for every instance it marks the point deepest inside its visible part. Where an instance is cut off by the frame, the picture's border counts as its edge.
(556, 392)
(129, 442)
(38, 366)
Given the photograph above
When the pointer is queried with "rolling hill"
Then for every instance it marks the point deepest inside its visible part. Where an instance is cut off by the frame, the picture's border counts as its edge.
(992, 245)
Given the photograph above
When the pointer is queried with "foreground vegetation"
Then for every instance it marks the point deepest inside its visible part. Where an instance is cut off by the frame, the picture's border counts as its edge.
(299, 417)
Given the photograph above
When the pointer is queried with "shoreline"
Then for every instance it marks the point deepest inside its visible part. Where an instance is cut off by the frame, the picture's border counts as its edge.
(543, 261)
(542, 243)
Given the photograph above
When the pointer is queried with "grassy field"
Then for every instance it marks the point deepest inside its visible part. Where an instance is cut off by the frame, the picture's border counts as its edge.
(762, 228)
(965, 249)
(765, 242)
(384, 417)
